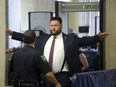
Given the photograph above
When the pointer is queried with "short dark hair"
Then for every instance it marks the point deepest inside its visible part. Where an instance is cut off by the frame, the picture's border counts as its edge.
(29, 36)
(57, 18)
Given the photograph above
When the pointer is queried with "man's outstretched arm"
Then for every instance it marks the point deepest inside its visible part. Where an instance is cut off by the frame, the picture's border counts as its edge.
(15, 35)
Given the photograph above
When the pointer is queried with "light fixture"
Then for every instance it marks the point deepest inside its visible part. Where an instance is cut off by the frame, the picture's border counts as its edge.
(64, 0)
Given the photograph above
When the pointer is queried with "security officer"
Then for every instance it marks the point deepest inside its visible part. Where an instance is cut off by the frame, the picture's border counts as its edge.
(28, 65)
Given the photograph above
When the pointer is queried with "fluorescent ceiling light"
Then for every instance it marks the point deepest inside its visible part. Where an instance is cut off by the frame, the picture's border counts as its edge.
(64, 0)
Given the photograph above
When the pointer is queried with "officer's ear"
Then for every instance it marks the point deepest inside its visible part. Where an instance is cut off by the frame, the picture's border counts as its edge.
(34, 41)
(23, 39)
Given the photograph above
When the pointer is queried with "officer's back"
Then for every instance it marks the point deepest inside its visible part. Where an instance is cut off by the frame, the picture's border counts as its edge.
(28, 65)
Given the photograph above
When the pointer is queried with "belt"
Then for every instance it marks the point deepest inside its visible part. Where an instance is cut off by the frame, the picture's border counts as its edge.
(62, 72)
(25, 84)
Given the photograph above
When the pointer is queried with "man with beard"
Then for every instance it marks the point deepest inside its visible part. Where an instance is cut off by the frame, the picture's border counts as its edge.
(65, 62)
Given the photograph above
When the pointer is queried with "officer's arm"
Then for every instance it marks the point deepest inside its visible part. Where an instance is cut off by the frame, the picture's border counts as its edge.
(50, 76)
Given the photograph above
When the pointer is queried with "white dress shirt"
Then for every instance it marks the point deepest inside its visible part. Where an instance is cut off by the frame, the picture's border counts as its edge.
(59, 53)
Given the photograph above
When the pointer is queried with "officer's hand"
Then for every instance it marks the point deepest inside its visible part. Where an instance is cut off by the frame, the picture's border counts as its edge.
(58, 85)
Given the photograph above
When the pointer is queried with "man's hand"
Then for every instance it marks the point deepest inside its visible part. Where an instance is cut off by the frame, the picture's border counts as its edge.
(9, 32)
(103, 35)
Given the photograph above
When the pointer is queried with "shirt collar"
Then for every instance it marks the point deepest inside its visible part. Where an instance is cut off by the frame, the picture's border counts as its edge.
(58, 36)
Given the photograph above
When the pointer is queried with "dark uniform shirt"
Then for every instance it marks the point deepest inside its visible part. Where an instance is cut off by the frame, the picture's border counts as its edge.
(28, 65)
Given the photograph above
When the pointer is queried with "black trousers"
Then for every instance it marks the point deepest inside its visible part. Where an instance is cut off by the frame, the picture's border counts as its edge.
(63, 79)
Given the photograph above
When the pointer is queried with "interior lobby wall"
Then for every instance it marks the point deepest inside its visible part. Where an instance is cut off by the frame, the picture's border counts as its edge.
(2, 41)
(111, 29)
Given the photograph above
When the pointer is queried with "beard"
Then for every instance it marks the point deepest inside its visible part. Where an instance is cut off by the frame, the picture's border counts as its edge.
(55, 33)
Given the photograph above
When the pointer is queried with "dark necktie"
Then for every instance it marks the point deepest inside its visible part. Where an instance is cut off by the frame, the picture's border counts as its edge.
(51, 52)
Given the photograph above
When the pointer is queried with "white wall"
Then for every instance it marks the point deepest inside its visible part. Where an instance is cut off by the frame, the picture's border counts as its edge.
(19, 17)
(111, 29)
(2, 41)
(32, 6)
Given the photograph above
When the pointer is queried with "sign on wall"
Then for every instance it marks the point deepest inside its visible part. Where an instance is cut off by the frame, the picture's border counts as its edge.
(40, 21)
